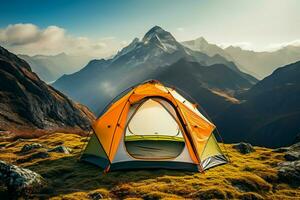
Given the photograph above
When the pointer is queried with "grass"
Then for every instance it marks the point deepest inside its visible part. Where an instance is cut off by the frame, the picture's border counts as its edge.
(250, 176)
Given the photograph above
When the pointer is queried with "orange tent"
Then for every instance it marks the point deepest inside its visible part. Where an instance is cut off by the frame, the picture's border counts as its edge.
(153, 126)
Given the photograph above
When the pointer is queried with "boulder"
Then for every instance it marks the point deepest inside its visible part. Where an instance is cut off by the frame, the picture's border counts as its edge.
(95, 196)
(18, 180)
(295, 147)
(61, 149)
(289, 172)
(281, 150)
(243, 147)
(292, 155)
(28, 147)
(34, 156)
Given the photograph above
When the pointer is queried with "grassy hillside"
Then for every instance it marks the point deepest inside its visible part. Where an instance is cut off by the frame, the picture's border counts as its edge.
(250, 176)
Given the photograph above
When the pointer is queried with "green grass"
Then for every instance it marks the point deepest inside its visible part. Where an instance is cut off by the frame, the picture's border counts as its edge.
(248, 176)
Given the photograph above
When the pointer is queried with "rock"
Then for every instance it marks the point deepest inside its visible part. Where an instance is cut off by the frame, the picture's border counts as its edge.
(289, 172)
(61, 149)
(243, 148)
(95, 196)
(40, 155)
(34, 156)
(292, 155)
(20, 181)
(295, 147)
(281, 150)
(29, 147)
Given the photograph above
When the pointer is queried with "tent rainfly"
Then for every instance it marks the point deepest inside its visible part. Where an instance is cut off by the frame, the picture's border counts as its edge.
(153, 126)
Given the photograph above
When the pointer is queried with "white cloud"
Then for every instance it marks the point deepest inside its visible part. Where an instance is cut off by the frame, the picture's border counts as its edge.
(30, 39)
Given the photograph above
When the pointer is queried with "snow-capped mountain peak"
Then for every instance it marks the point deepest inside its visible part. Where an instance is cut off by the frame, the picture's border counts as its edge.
(160, 38)
(158, 32)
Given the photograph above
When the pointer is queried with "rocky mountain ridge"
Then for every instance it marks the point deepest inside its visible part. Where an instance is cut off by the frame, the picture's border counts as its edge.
(26, 102)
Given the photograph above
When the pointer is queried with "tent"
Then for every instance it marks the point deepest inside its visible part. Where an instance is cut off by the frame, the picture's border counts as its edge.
(151, 125)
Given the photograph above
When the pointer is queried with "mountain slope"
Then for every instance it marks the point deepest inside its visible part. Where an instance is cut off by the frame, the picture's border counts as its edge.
(264, 63)
(50, 68)
(270, 113)
(200, 44)
(258, 64)
(203, 83)
(101, 80)
(26, 102)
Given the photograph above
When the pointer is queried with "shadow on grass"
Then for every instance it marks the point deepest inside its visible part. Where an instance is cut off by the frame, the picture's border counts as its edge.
(69, 175)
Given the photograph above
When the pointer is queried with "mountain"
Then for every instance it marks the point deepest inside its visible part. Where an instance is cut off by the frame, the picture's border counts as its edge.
(269, 114)
(264, 63)
(200, 44)
(28, 103)
(101, 80)
(203, 83)
(258, 64)
(205, 76)
(50, 68)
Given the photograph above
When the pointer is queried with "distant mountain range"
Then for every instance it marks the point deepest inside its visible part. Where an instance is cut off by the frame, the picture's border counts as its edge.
(153, 57)
(27, 103)
(258, 64)
(269, 114)
(50, 68)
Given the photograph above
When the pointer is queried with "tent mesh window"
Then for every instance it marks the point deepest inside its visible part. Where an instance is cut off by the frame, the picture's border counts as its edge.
(153, 131)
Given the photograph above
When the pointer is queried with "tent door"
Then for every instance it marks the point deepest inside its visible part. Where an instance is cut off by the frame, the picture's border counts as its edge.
(153, 132)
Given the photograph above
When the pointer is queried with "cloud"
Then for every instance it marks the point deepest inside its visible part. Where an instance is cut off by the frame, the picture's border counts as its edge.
(19, 34)
(30, 39)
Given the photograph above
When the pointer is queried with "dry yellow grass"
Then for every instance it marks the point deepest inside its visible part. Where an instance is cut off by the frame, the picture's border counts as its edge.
(251, 176)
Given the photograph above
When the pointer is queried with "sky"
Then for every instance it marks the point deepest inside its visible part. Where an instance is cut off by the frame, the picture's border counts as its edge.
(99, 28)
